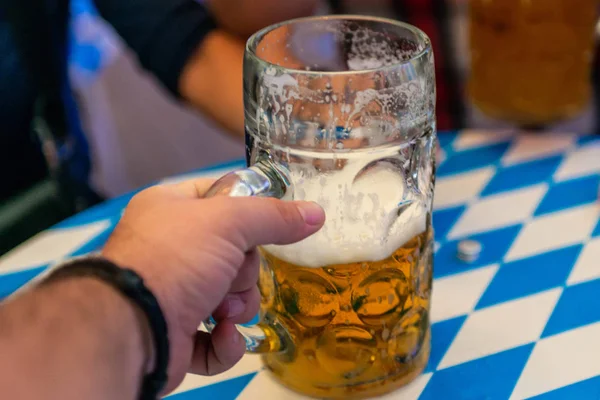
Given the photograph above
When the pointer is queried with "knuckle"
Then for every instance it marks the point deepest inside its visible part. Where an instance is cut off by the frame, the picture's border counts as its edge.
(137, 198)
(144, 195)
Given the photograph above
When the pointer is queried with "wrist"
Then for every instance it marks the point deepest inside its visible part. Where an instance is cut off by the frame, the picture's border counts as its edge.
(62, 332)
(152, 327)
(134, 323)
(126, 317)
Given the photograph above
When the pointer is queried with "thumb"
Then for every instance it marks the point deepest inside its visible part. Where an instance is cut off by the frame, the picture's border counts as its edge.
(257, 221)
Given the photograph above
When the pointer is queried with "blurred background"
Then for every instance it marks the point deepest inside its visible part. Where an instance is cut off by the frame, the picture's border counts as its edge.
(497, 63)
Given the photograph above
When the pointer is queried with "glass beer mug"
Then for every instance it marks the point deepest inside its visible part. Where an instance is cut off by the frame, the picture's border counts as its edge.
(341, 111)
(531, 60)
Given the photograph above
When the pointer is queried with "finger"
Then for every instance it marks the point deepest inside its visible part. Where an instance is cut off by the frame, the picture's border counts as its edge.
(218, 351)
(255, 221)
(193, 188)
(238, 308)
(247, 276)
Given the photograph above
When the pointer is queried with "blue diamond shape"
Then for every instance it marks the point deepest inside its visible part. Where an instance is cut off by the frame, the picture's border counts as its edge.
(492, 377)
(495, 244)
(585, 139)
(569, 194)
(443, 220)
(530, 275)
(226, 390)
(521, 175)
(253, 321)
(442, 335)
(13, 281)
(596, 230)
(588, 389)
(575, 308)
(472, 159)
(446, 138)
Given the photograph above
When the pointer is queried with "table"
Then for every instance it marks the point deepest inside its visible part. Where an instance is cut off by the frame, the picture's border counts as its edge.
(521, 321)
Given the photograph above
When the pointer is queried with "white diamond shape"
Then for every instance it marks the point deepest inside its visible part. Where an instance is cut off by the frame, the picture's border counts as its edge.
(459, 189)
(458, 294)
(471, 138)
(50, 246)
(560, 360)
(532, 146)
(554, 231)
(412, 391)
(501, 327)
(498, 211)
(581, 162)
(248, 364)
(588, 264)
(264, 387)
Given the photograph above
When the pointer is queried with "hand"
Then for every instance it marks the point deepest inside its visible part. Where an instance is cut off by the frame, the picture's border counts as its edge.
(199, 258)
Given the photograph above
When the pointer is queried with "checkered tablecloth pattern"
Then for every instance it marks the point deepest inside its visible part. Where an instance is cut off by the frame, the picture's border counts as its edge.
(522, 321)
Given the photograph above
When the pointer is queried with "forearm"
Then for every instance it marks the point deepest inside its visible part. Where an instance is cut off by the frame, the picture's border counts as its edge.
(212, 80)
(244, 17)
(76, 338)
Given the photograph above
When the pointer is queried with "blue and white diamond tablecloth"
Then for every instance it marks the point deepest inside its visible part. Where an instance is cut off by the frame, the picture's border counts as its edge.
(523, 321)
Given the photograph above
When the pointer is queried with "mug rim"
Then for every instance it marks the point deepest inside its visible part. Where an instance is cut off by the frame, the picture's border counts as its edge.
(252, 42)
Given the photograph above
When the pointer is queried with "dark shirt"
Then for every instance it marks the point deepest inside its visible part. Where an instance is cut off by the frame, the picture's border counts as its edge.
(21, 161)
(163, 34)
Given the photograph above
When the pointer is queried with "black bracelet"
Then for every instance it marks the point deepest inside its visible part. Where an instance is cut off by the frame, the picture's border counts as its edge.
(131, 285)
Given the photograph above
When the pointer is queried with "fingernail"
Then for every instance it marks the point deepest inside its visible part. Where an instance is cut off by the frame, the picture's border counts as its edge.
(235, 306)
(311, 212)
(236, 338)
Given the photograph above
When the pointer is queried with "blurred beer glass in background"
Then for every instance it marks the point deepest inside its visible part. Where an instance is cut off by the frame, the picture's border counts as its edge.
(531, 59)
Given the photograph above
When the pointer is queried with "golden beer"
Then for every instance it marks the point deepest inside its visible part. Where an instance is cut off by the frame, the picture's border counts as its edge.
(531, 60)
(358, 329)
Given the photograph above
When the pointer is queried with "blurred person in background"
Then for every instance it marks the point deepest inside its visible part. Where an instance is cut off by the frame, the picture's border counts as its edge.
(193, 49)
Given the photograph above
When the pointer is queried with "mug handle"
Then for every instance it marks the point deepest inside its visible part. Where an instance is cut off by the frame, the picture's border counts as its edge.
(265, 178)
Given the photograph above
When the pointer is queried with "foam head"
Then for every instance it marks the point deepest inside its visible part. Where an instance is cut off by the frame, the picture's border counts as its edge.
(363, 220)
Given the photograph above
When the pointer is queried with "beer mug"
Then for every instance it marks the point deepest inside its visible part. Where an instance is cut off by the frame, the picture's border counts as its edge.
(341, 111)
(531, 61)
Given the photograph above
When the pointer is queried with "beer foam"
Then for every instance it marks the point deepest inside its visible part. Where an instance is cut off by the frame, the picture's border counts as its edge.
(370, 49)
(363, 222)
